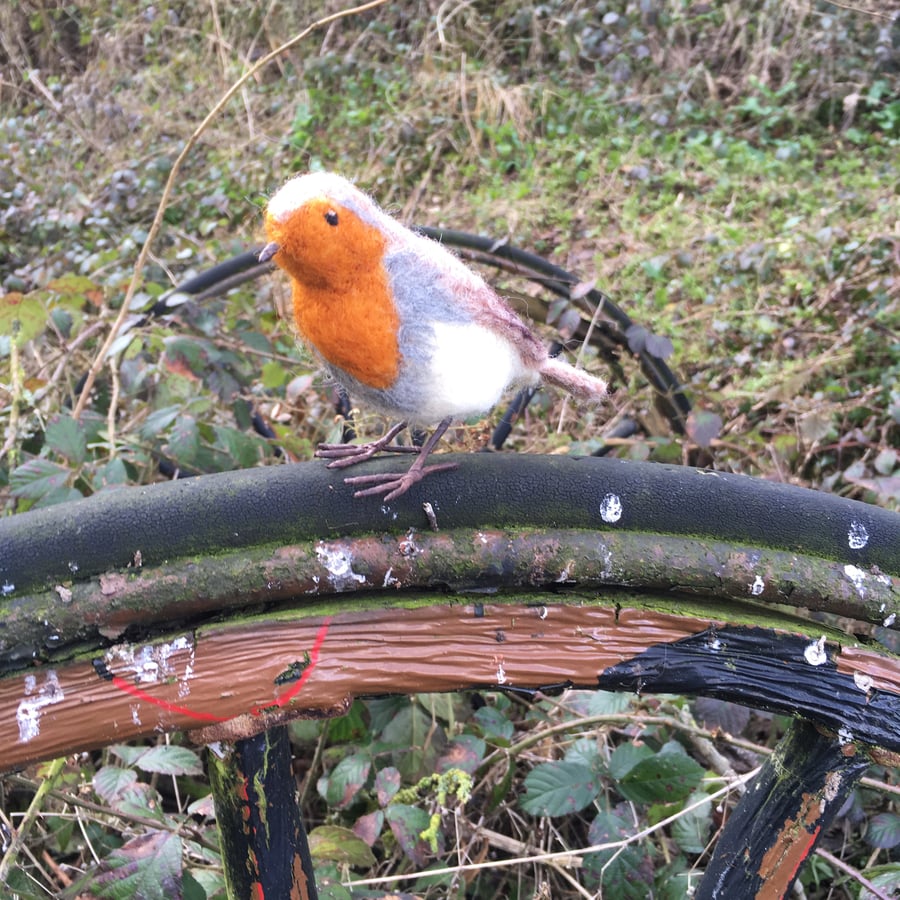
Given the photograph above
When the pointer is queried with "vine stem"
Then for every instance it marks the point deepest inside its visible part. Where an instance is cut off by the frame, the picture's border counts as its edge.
(54, 770)
(102, 353)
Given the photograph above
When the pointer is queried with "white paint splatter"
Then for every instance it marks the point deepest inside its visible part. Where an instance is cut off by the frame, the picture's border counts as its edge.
(611, 508)
(606, 555)
(7, 587)
(863, 682)
(845, 736)
(339, 565)
(857, 536)
(890, 620)
(815, 653)
(566, 574)
(757, 587)
(501, 672)
(857, 579)
(30, 709)
(389, 580)
(136, 714)
(151, 663)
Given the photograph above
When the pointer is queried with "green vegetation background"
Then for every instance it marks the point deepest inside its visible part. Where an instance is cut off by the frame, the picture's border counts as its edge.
(726, 171)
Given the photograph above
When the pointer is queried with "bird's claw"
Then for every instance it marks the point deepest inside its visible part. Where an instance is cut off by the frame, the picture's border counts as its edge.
(344, 455)
(392, 485)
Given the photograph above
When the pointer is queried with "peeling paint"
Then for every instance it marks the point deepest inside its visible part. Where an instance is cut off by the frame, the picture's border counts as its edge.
(815, 653)
(339, 565)
(863, 682)
(758, 586)
(833, 784)
(857, 536)
(30, 709)
(890, 620)
(857, 578)
(845, 736)
(501, 672)
(408, 546)
(611, 508)
(136, 714)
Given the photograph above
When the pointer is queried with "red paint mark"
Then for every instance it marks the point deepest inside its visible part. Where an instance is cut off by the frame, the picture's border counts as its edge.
(297, 686)
(126, 686)
(813, 837)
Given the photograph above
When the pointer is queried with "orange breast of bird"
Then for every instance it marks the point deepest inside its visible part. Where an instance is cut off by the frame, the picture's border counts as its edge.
(342, 300)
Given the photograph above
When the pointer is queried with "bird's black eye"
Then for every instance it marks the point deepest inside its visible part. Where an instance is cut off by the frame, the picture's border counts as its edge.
(331, 217)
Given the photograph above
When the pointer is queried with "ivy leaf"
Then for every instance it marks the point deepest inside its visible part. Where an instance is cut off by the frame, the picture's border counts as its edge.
(883, 831)
(110, 781)
(625, 757)
(170, 760)
(665, 777)
(559, 788)
(42, 481)
(495, 726)
(148, 866)
(387, 783)
(586, 752)
(164, 759)
(622, 872)
(703, 427)
(23, 317)
(368, 827)
(464, 752)
(158, 421)
(346, 780)
(184, 440)
(691, 830)
(340, 845)
(407, 824)
(244, 450)
(274, 375)
(67, 437)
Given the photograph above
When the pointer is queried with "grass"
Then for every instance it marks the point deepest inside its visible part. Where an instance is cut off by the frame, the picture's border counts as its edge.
(726, 172)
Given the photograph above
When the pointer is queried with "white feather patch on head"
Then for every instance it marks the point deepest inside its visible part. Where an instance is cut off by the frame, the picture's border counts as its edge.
(303, 188)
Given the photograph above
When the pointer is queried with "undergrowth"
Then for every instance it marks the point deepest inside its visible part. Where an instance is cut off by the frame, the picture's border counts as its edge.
(726, 171)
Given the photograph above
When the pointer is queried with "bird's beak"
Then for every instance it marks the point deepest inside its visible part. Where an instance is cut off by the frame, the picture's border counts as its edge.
(268, 251)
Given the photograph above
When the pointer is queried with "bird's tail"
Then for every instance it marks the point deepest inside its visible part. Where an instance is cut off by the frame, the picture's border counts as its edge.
(576, 382)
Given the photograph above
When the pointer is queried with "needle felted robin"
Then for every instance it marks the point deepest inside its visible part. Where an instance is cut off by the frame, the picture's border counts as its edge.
(401, 323)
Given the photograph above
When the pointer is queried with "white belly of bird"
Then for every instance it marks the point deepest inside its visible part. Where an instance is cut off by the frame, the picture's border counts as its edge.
(469, 371)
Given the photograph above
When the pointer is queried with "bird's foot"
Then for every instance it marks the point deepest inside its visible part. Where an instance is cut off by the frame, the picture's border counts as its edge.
(344, 455)
(393, 485)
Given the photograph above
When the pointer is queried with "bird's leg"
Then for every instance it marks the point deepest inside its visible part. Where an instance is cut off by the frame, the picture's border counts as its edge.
(343, 455)
(392, 485)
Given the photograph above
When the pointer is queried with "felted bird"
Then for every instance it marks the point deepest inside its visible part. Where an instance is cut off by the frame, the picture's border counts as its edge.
(400, 322)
